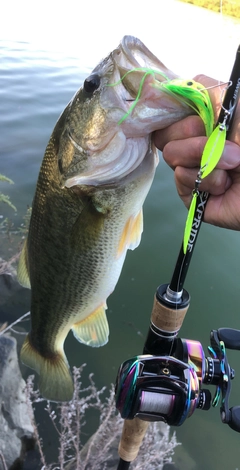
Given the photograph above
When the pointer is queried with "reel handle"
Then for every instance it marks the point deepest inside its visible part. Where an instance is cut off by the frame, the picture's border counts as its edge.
(230, 337)
(234, 422)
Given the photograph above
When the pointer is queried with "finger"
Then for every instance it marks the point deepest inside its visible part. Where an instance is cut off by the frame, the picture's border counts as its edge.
(217, 183)
(230, 158)
(185, 153)
(191, 126)
(221, 209)
(188, 153)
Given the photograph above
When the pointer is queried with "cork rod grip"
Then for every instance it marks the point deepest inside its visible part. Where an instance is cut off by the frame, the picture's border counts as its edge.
(167, 319)
(132, 435)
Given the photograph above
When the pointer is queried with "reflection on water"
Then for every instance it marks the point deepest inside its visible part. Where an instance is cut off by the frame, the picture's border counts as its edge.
(34, 89)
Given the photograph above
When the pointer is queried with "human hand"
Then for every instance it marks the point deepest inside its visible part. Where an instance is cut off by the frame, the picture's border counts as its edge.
(183, 144)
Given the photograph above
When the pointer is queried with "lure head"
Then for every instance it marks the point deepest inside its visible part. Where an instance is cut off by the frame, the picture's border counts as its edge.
(194, 95)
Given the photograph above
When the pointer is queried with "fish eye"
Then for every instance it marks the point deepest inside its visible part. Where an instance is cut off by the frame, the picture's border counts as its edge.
(92, 83)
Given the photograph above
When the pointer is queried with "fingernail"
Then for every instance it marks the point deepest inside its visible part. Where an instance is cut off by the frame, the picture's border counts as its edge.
(230, 157)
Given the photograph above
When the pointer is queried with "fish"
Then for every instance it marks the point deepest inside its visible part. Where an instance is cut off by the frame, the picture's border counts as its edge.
(97, 170)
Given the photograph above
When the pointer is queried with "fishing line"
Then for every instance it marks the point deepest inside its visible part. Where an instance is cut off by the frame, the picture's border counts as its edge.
(229, 83)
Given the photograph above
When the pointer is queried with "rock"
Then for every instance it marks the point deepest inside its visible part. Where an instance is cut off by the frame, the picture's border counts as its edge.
(14, 299)
(8, 281)
(15, 418)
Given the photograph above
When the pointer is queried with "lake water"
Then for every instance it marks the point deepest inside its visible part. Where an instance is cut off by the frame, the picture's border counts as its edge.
(36, 83)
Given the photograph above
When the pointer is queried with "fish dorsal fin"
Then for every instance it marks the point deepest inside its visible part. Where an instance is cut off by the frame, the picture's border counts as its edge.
(131, 235)
(93, 330)
(22, 271)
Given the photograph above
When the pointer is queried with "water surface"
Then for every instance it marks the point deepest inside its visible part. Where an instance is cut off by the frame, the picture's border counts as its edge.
(35, 86)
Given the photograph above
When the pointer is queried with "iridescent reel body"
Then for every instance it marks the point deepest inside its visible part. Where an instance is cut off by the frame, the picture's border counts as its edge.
(169, 388)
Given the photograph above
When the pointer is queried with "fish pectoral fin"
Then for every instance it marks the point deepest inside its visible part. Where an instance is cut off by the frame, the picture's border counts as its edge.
(131, 235)
(136, 231)
(55, 382)
(93, 330)
(22, 271)
(88, 225)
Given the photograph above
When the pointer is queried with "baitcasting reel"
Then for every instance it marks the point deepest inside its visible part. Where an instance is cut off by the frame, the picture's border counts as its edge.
(169, 388)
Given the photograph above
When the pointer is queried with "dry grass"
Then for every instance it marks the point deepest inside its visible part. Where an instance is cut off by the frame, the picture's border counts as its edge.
(229, 7)
(68, 421)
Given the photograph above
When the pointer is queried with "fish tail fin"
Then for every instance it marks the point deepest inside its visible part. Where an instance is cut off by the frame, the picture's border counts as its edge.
(55, 381)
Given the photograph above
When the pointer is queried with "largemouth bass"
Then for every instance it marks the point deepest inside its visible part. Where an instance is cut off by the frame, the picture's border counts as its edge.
(87, 210)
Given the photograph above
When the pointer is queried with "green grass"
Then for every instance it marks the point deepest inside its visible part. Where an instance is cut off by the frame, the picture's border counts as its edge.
(3, 197)
(229, 7)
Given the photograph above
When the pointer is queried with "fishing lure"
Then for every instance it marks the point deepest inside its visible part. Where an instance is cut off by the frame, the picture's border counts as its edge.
(188, 92)
(194, 95)
(211, 155)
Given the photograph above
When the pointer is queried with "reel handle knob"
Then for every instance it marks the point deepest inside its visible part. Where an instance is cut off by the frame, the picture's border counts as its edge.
(234, 422)
(230, 337)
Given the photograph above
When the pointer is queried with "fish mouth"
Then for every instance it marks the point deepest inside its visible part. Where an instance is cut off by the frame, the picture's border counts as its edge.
(145, 100)
(134, 60)
(130, 117)
(133, 54)
(120, 158)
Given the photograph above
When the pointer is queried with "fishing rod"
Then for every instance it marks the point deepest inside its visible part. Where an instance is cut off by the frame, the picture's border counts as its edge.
(228, 109)
(165, 382)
